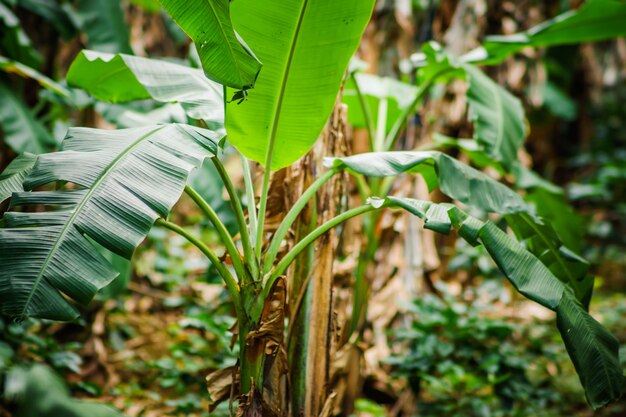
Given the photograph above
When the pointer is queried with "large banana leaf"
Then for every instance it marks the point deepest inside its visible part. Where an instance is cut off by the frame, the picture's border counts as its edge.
(596, 20)
(305, 47)
(542, 240)
(125, 115)
(556, 239)
(120, 78)
(125, 180)
(472, 187)
(593, 350)
(498, 116)
(457, 180)
(104, 24)
(225, 56)
(22, 131)
(13, 175)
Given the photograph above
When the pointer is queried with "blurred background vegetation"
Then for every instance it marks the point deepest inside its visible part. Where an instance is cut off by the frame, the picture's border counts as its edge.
(445, 333)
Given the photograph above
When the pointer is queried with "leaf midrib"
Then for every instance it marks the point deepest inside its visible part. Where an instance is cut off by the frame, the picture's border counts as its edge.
(283, 87)
(77, 210)
(226, 38)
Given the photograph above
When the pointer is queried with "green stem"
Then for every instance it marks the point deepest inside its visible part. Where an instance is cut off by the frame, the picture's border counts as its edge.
(235, 203)
(367, 113)
(250, 369)
(229, 280)
(394, 133)
(262, 206)
(221, 230)
(362, 187)
(310, 238)
(361, 286)
(381, 127)
(291, 216)
(386, 184)
(247, 180)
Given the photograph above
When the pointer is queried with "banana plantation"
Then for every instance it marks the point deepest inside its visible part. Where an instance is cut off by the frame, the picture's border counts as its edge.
(316, 208)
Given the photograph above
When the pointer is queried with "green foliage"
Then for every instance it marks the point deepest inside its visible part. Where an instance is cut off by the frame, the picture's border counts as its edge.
(52, 397)
(129, 178)
(386, 98)
(13, 176)
(151, 6)
(474, 188)
(121, 78)
(54, 13)
(14, 67)
(596, 354)
(104, 192)
(303, 67)
(14, 41)
(461, 362)
(103, 23)
(592, 348)
(225, 57)
(22, 131)
(596, 20)
(498, 117)
(457, 180)
(542, 240)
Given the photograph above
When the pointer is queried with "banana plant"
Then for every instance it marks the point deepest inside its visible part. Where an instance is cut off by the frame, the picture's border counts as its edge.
(107, 188)
(382, 107)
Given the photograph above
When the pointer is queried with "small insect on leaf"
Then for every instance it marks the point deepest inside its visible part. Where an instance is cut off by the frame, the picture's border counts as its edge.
(240, 96)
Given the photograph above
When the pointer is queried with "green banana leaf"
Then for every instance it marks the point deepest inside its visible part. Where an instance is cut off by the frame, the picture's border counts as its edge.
(305, 47)
(477, 190)
(542, 240)
(22, 131)
(596, 20)
(457, 180)
(126, 115)
(14, 67)
(53, 12)
(104, 24)
(121, 78)
(125, 180)
(225, 57)
(593, 350)
(556, 240)
(39, 392)
(14, 42)
(498, 117)
(553, 207)
(13, 175)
